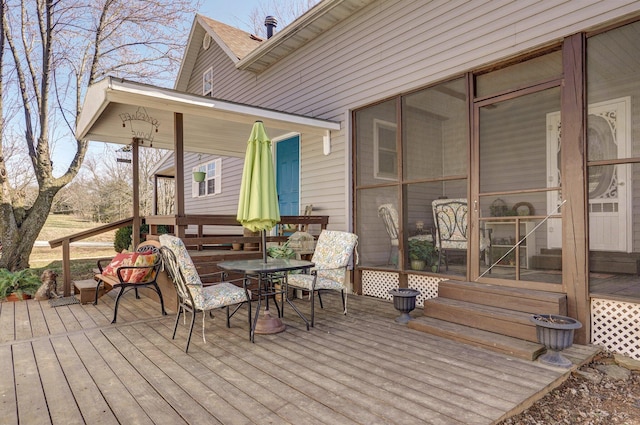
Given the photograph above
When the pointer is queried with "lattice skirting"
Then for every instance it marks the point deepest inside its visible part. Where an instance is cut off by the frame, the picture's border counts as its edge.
(377, 284)
(615, 325)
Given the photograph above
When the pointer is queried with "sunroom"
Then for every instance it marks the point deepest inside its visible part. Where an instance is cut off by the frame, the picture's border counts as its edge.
(543, 153)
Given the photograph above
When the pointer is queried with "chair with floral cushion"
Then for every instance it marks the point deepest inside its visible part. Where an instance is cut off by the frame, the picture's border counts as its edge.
(130, 270)
(195, 297)
(451, 218)
(333, 251)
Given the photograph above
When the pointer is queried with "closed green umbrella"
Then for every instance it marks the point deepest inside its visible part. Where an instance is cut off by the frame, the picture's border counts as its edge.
(258, 204)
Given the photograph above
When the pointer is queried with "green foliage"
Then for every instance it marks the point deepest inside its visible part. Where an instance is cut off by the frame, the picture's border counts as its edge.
(21, 282)
(422, 250)
(281, 251)
(122, 240)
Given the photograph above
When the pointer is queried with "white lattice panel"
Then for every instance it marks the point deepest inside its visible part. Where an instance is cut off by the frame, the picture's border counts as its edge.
(615, 325)
(377, 284)
(427, 285)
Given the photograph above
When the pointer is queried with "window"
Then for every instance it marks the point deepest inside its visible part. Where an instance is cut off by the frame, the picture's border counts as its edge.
(207, 82)
(212, 181)
(385, 154)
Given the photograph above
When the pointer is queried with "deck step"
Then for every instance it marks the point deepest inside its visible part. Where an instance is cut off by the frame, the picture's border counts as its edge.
(87, 290)
(507, 322)
(525, 300)
(480, 338)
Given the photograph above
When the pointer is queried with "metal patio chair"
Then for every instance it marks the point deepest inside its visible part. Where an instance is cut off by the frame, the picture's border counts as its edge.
(195, 297)
(451, 218)
(389, 215)
(333, 251)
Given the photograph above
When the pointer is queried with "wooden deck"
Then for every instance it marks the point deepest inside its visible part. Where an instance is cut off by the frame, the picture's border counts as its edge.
(69, 365)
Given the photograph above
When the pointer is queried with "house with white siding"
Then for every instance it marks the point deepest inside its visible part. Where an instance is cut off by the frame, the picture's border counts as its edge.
(529, 112)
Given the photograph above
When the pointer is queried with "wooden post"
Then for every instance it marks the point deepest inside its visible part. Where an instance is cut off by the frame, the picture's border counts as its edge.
(136, 192)
(178, 150)
(575, 235)
(66, 268)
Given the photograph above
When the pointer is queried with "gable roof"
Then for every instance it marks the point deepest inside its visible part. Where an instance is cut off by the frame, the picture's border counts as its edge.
(233, 41)
(314, 22)
(112, 106)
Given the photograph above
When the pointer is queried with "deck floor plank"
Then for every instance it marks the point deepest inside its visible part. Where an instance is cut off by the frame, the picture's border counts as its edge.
(124, 405)
(191, 384)
(90, 401)
(235, 395)
(7, 322)
(54, 383)
(362, 368)
(157, 408)
(21, 317)
(8, 400)
(376, 383)
(187, 407)
(32, 404)
(54, 321)
(279, 395)
(36, 318)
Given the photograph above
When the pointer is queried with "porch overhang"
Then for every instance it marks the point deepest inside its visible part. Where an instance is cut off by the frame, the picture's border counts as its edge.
(116, 110)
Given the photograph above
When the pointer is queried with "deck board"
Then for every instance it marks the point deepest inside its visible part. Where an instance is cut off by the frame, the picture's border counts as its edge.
(362, 368)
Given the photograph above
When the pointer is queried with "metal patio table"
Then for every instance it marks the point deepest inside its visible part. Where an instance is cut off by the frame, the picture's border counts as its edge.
(268, 274)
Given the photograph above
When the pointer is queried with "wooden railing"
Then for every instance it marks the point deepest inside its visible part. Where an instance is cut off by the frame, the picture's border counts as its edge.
(180, 224)
(65, 242)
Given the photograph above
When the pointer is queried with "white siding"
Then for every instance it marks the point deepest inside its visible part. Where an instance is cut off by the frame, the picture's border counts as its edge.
(387, 48)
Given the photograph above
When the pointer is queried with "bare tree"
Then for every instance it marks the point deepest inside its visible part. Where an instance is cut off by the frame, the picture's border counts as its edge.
(285, 12)
(55, 49)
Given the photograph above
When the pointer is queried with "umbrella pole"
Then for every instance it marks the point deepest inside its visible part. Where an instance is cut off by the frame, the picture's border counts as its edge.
(264, 246)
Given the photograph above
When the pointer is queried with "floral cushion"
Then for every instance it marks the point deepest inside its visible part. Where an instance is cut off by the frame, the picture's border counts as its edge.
(131, 259)
(331, 258)
(219, 295)
(188, 269)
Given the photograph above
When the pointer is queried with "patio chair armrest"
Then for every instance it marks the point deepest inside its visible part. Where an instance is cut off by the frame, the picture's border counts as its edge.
(101, 261)
(152, 274)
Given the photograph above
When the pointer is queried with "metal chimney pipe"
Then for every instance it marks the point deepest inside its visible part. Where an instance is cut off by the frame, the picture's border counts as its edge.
(270, 22)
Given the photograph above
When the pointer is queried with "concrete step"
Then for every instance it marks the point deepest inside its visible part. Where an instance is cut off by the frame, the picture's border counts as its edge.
(502, 321)
(480, 338)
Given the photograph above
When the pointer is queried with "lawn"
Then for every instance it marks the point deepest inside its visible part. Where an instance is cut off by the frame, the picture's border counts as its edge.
(83, 259)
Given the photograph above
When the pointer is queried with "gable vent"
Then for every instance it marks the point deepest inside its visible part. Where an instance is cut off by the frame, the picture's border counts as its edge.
(206, 41)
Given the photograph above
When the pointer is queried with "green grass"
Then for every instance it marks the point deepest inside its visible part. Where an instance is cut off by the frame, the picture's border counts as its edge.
(83, 259)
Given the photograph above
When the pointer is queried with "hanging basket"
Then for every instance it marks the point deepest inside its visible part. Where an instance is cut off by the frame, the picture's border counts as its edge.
(198, 176)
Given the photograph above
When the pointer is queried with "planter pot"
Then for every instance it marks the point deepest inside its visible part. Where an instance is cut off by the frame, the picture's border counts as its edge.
(199, 176)
(14, 297)
(236, 246)
(555, 333)
(418, 264)
(404, 300)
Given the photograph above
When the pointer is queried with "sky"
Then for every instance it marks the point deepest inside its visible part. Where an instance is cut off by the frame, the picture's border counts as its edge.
(235, 13)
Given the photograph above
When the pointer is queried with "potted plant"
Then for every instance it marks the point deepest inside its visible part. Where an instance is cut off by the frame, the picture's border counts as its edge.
(18, 285)
(555, 332)
(421, 254)
(198, 176)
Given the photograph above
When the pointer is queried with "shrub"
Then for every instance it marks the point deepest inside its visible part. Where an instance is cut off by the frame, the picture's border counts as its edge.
(122, 239)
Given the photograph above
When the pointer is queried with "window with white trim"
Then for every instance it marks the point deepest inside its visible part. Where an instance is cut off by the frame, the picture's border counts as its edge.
(385, 153)
(207, 82)
(212, 184)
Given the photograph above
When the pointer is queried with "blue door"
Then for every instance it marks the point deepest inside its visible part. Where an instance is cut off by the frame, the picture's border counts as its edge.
(288, 175)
